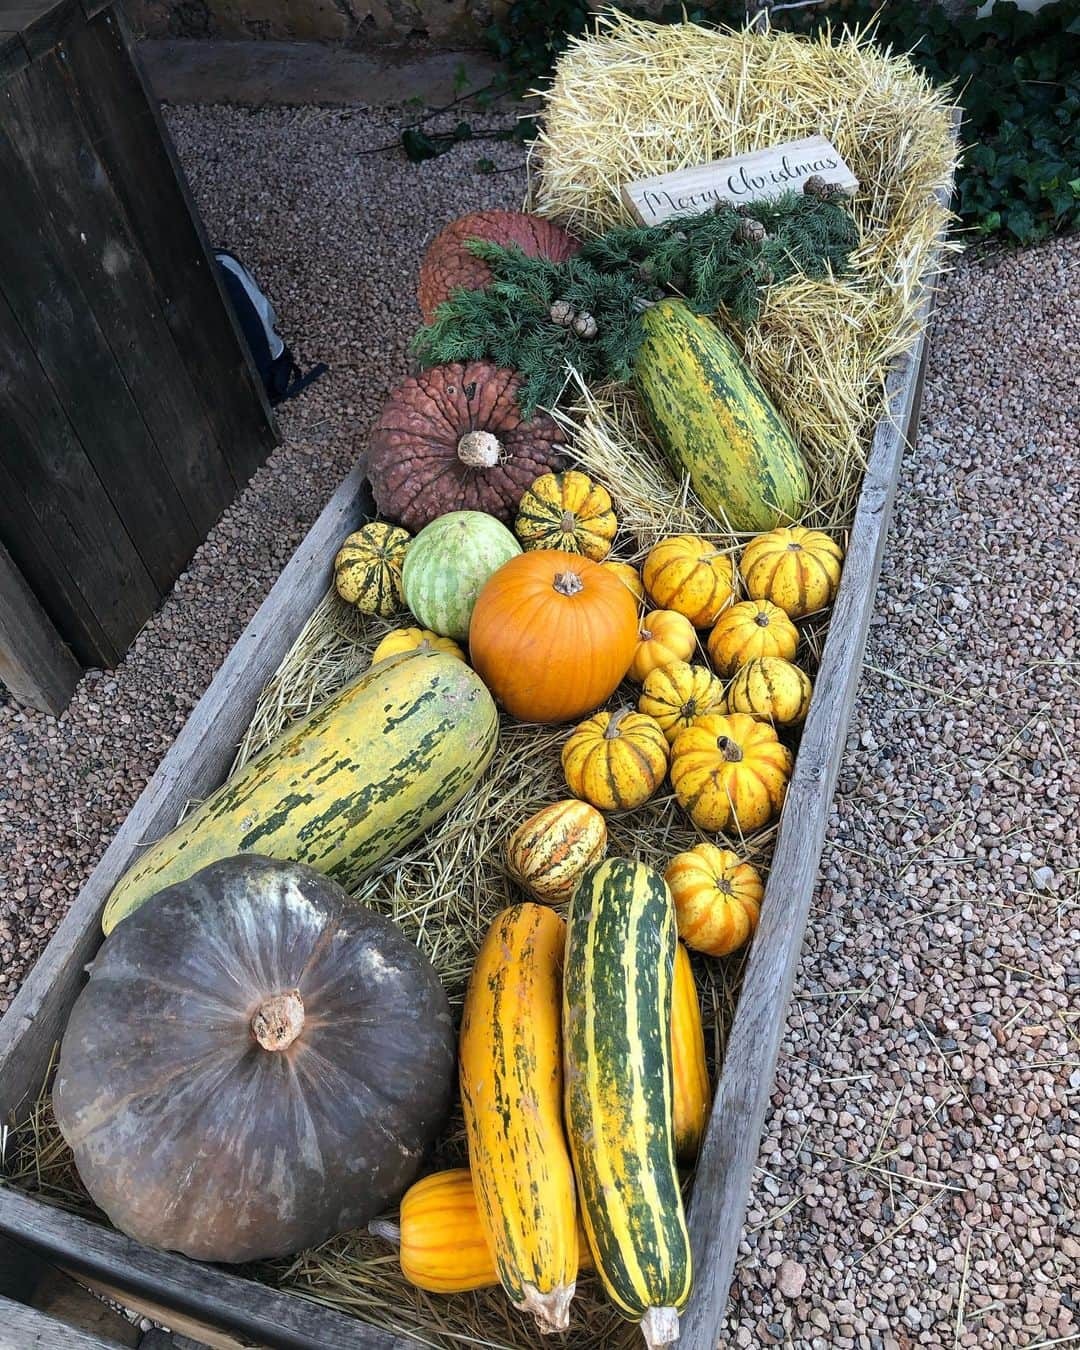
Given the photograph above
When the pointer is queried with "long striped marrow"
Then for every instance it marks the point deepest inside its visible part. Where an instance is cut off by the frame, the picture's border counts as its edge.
(510, 1067)
(343, 789)
(617, 990)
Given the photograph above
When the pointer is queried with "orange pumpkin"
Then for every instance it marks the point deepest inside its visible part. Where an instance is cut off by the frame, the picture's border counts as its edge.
(664, 637)
(552, 635)
(717, 898)
(690, 575)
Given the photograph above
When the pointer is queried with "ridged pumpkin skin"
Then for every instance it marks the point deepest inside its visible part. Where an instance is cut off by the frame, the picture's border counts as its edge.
(692, 1095)
(447, 566)
(367, 569)
(415, 640)
(717, 898)
(448, 264)
(453, 438)
(691, 575)
(797, 569)
(442, 1244)
(548, 853)
(663, 637)
(552, 635)
(567, 511)
(629, 576)
(615, 761)
(730, 772)
(714, 420)
(771, 689)
(676, 695)
(510, 1066)
(349, 785)
(617, 990)
(257, 1063)
(750, 629)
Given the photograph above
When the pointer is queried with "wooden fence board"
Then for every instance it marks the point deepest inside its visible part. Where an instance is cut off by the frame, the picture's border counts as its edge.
(23, 1328)
(35, 663)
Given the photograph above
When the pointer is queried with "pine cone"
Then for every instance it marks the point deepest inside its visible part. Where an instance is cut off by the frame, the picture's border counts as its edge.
(722, 205)
(561, 313)
(816, 186)
(585, 325)
(750, 231)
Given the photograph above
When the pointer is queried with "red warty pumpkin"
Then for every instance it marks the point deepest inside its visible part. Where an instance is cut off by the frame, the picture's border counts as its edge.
(454, 439)
(448, 263)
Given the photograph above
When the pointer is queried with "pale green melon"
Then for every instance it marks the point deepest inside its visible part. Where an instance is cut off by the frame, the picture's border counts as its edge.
(446, 567)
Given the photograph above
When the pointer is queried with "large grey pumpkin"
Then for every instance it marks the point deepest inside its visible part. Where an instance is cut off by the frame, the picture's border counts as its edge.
(258, 1062)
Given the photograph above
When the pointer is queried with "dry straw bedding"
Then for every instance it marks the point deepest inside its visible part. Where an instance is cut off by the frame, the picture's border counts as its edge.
(634, 100)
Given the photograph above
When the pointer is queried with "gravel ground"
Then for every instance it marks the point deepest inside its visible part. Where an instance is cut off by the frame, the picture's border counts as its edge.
(918, 1173)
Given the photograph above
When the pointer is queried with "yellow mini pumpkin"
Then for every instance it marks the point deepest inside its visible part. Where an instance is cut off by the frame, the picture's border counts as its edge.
(548, 853)
(795, 568)
(772, 689)
(367, 569)
(615, 761)
(717, 898)
(663, 637)
(730, 772)
(677, 694)
(415, 640)
(629, 576)
(690, 575)
(569, 512)
(750, 629)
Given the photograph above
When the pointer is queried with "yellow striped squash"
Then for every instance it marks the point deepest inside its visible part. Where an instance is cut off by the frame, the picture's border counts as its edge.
(797, 569)
(349, 785)
(548, 852)
(714, 420)
(510, 1067)
(692, 1096)
(617, 993)
(772, 690)
(442, 1244)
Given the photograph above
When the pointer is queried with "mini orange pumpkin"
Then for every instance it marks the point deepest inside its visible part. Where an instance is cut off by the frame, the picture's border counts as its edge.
(678, 694)
(717, 898)
(615, 761)
(795, 568)
(664, 637)
(730, 772)
(690, 575)
(548, 853)
(552, 634)
(750, 629)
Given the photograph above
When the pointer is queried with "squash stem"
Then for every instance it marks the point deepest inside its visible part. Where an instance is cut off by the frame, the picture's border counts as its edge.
(660, 1326)
(383, 1228)
(278, 1020)
(479, 450)
(730, 749)
(568, 583)
(611, 731)
(552, 1311)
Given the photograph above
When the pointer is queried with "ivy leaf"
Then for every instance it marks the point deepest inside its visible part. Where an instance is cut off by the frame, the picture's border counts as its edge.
(419, 146)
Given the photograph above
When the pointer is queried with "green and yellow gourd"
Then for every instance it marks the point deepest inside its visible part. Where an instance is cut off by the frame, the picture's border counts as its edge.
(714, 420)
(351, 784)
(617, 993)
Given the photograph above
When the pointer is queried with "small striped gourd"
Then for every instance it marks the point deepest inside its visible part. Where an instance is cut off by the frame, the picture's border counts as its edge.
(548, 852)
(717, 898)
(367, 569)
(690, 574)
(750, 629)
(617, 992)
(691, 1096)
(797, 569)
(772, 690)
(510, 1067)
(400, 640)
(714, 420)
(447, 565)
(349, 785)
(569, 512)
(442, 1244)
(676, 695)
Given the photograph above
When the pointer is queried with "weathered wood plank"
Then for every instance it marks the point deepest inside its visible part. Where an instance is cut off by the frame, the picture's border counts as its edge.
(195, 764)
(205, 1292)
(730, 1150)
(56, 149)
(135, 147)
(180, 1324)
(43, 30)
(35, 663)
(23, 1328)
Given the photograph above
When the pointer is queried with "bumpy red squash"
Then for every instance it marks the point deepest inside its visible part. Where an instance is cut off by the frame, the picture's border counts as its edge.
(448, 263)
(257, 1063)
(454, 439)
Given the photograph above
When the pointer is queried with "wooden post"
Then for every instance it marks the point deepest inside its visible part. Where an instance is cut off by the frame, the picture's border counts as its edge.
(35, 663)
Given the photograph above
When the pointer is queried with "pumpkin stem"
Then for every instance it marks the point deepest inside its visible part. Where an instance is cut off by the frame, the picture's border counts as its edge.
(611, 731)
(568, 524)
(278, 1020)
(660, 1326)
(730, 749)
(568, 583)
(479, 450)
(761, 619)
(383, 1228)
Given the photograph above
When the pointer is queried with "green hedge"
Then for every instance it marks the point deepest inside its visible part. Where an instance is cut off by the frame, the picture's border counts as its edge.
(1018, 77)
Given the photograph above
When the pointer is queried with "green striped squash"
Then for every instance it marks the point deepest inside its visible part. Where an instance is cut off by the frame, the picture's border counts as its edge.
(343, 789)
(446, 567)
(617, 992)
(715, 422)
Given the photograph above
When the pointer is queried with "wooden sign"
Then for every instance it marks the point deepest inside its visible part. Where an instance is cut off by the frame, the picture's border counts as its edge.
(744, 178)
